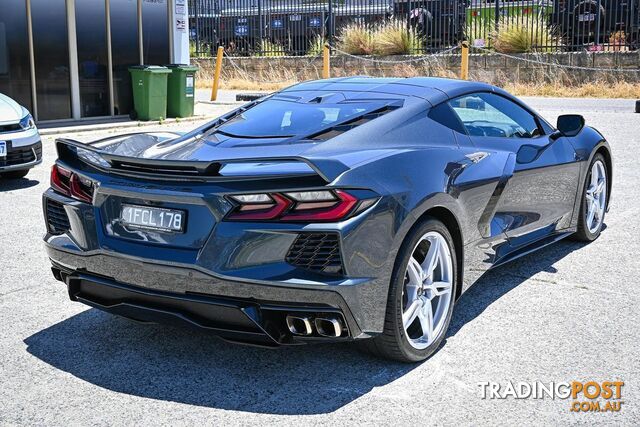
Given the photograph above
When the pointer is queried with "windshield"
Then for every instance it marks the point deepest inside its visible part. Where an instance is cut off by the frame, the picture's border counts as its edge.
(278, 118)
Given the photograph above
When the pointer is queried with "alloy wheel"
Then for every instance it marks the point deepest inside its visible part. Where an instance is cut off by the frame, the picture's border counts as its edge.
(596, 197)
(428, 289)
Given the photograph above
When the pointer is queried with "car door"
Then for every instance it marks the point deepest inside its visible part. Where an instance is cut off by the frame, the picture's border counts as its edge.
(539, 196)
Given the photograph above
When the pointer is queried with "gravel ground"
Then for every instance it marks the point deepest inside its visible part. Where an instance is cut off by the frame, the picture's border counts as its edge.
(568, 312)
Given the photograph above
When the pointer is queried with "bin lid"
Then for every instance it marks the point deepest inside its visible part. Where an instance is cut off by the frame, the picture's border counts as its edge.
(150, 68)
(184, 67)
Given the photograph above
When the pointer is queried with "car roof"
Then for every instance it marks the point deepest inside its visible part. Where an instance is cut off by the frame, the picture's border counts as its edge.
(432, 89)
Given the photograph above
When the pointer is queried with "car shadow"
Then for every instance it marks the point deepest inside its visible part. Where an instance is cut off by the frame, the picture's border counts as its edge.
(17, 184)
(191, 367)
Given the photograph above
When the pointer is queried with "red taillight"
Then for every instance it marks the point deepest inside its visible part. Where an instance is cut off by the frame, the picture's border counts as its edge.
(307, 206)
(70, 184)
(61, 180)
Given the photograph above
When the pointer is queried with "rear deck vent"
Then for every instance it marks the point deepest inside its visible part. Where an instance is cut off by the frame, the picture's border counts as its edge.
(57, 219)
(318, 252)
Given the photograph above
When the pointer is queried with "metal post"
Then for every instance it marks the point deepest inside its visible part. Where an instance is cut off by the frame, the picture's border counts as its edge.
(598, 18)
(107, 9)
(32, 65)
(196, 9)
(216, 76)
(330, 18)
(326, 61)
(140, 41)
(464, 66)
(74, 74)
(171, 20)
(260, 27)
(497, 15)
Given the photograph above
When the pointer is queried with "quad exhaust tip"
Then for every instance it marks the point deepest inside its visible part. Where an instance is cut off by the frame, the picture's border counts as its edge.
(324, 326)
(328, 327)
(299, 325)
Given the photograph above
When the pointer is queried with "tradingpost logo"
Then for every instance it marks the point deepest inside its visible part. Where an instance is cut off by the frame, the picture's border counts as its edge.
(584, 396)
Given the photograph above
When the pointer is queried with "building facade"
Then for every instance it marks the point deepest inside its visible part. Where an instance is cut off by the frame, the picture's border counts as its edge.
(69, 59)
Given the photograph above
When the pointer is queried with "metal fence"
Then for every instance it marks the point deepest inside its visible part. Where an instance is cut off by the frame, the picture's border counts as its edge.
(300, 27)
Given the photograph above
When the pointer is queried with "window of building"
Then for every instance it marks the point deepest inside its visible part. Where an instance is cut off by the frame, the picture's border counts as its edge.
(15, 72)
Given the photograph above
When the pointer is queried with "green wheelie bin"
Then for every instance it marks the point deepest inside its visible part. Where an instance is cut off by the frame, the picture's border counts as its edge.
(181, 90)
(149, 84)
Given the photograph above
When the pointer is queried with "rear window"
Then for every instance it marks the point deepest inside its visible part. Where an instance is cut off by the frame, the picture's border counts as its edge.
(277, 118)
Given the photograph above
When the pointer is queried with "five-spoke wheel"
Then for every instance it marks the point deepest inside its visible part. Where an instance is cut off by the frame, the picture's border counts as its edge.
(427, 290)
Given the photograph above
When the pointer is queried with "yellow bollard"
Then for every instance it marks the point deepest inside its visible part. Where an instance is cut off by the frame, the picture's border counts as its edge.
(326, 62)
(216, 76)
(464, 67)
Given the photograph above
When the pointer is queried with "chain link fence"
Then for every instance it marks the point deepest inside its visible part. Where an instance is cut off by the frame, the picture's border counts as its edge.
(301, 27)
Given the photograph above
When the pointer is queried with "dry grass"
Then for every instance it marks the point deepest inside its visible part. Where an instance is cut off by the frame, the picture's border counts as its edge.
(539, 81)
(523, 36)
(586, 90)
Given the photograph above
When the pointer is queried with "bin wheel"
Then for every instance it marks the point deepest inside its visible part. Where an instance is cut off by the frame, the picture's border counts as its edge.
(133, 115)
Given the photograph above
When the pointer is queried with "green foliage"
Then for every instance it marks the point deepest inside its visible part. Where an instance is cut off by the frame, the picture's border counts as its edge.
(316, 46)
(269, 48)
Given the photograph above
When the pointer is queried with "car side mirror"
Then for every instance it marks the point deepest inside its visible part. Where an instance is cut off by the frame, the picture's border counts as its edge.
(570, 124)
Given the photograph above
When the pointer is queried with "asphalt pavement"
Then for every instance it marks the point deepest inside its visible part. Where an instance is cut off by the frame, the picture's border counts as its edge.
(567, 313)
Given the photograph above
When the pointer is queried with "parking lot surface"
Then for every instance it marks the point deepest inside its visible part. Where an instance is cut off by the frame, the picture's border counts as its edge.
(567, 313)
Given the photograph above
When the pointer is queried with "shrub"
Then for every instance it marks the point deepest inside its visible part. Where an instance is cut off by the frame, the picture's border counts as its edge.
(387, 38)
(524, 35)
(356, 39)
(316, 46)
(269, 48)
(393, 38)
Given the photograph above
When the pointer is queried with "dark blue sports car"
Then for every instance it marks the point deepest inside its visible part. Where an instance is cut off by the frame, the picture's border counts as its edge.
(334, 210)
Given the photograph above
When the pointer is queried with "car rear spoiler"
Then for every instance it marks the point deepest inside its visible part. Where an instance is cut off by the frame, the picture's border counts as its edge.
(73, 152)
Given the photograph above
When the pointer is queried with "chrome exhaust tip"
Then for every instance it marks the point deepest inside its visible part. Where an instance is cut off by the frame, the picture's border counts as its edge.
(328, 327)
(299, 325)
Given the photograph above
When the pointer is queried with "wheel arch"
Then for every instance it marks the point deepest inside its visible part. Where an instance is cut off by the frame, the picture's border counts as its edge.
(450, 221)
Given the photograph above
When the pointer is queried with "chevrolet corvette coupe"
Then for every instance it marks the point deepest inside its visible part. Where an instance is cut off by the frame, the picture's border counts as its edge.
(350, 209)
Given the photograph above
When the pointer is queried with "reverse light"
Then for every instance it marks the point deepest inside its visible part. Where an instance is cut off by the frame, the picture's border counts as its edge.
(71, 184)
(306, 206)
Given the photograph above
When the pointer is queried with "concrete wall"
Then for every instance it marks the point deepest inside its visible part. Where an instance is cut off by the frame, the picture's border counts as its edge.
(491, 68)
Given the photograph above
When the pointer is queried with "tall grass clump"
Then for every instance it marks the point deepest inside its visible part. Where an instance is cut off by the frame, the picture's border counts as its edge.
(356, 39)
(524, 35)
(393, 38)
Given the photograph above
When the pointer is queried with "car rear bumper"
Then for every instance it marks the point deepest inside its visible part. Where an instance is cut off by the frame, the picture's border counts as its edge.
(241, 320)
(144, 290)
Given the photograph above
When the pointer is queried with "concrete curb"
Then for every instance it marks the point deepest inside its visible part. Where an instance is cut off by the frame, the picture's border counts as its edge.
(115, 125)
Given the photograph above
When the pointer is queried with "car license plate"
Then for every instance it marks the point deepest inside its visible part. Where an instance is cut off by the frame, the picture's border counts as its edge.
(153, 218)
(3, 149)
(584, 17)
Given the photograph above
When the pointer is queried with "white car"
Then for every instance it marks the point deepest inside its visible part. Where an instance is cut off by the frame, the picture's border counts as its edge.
(20, 145)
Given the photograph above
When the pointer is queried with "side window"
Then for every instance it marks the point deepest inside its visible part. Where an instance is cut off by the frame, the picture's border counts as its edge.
(486, 114)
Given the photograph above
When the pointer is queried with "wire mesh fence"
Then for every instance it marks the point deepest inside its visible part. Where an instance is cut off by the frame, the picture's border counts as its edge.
(301, 27)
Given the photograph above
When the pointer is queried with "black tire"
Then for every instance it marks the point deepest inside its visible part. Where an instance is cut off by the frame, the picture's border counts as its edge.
(14, 174)
(393, 343)
(583, 234)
